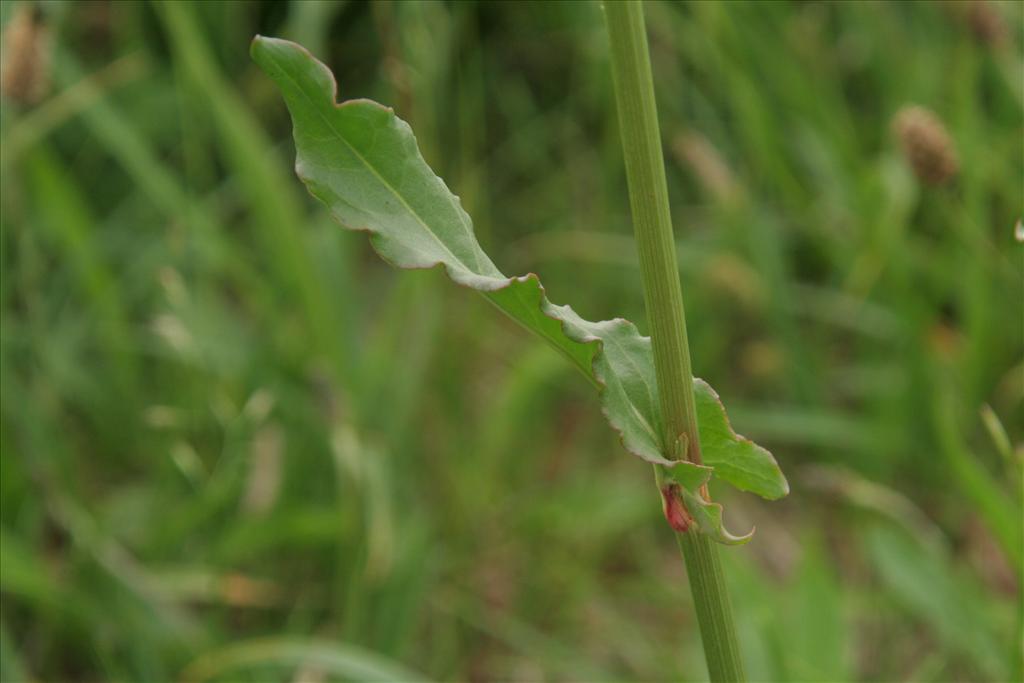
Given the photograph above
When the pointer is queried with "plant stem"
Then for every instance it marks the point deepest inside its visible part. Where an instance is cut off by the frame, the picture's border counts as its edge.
(663, 297)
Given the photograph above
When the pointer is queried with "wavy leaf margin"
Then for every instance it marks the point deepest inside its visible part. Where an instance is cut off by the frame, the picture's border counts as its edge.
(414, 221)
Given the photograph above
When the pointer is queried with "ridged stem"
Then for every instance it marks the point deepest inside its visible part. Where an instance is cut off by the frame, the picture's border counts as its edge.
(663, 297)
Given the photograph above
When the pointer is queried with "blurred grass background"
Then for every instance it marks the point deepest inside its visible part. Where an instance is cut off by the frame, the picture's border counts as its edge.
(236, 446)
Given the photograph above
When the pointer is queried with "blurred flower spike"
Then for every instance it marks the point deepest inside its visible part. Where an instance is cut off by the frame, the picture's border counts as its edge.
(926, 144)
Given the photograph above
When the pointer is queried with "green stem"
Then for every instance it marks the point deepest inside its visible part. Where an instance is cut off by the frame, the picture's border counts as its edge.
(663, 297)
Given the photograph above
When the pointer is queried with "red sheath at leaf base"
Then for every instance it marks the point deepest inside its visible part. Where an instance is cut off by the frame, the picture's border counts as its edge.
(675, 512)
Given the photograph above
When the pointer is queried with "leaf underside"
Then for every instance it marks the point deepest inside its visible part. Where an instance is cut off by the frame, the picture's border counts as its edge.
(362, 162)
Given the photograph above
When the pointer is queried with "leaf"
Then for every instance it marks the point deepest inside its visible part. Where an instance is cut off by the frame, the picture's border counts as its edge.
(966, 619)
(736, 459)
(349, 662)
(362, 161)
(708, 517)
(685, 505)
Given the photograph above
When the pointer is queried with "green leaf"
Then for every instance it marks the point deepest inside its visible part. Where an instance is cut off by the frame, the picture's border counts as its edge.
(965, 618)
(685, 505)
(348, 662)
(708, 517)
(736, 459)
(363, 163)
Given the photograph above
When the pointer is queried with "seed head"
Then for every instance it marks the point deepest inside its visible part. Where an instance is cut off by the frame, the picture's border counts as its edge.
(987, 23)
(926, 144)
(25, 58)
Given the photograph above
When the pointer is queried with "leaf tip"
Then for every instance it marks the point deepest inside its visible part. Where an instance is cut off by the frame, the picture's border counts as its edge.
(730, 539)
(785, 484)
(260, 49)
(257, 44)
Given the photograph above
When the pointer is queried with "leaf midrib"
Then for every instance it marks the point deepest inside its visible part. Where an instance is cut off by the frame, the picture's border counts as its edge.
(538, 329)
(373, 169)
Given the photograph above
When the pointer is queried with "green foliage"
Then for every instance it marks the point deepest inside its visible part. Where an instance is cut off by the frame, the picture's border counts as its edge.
(223, 419)
(345, 661)
(917, 576)
(362, 161)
